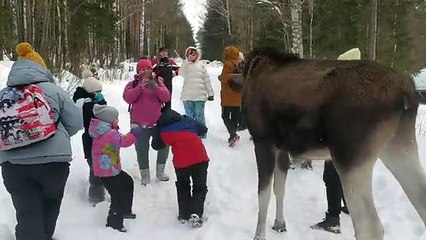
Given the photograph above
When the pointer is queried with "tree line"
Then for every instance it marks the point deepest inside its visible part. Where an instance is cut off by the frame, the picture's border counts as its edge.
(389, 31)
(69, 32)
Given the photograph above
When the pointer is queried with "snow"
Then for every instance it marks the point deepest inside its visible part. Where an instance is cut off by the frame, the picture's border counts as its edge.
(231, 205)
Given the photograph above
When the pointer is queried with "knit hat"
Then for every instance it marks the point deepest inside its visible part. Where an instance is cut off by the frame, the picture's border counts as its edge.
(143, 63)
(92, 85)
(105, 113)
(86, 73)
(26, 51)
(352, 54)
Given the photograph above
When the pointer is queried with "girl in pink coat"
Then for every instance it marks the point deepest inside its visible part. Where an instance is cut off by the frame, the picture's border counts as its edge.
(107, 141)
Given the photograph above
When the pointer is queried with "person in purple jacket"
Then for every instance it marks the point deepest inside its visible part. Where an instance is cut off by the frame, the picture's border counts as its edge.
(146, 96)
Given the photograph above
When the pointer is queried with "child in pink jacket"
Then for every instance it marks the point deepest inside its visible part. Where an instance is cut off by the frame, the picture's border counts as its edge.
(107, 141)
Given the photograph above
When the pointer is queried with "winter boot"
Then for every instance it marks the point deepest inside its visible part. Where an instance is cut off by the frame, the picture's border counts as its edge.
(329, 224)
(145, 177)
(115, 221)
(160, 173)
(196, 221)
(96, 194)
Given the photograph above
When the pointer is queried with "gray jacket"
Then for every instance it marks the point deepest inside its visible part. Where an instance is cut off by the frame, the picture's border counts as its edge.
(58, 147)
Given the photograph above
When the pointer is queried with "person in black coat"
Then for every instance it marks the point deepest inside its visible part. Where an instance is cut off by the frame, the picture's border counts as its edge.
(166, 68)
(91, 93)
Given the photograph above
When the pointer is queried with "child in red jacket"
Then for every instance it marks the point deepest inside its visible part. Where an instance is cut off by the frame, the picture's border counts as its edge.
(189, 159)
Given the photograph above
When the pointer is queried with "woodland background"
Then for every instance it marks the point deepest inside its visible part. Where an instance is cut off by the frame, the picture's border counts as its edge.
(70, 32)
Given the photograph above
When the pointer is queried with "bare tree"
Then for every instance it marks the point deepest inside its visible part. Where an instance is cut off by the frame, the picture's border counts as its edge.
(372, 30)
(296, 26)
(222, 7)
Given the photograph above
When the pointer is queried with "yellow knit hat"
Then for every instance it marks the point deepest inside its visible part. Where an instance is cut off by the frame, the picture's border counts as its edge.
(352, 54)
(26, 51)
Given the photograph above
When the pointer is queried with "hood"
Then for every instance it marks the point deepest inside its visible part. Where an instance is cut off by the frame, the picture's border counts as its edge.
(169, 116)
(25, 72)
(198, 53)
(232, 53)
(98, 128)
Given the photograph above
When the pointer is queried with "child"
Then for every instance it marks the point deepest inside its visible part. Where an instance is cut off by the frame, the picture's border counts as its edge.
(107, 141)
(91, 92)
(189, 159)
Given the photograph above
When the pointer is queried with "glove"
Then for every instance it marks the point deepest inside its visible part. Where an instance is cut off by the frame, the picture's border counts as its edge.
(210, 98)
(152, 84)
(136, 131)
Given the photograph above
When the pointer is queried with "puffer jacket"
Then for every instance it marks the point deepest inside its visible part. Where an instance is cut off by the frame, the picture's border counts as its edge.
(56, 148)
(196, 84)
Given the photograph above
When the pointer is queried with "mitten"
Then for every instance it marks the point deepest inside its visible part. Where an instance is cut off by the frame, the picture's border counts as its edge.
(136, 131)
(210, 98)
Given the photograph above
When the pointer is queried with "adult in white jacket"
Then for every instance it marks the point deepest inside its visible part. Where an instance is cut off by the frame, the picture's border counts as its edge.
(196, 88)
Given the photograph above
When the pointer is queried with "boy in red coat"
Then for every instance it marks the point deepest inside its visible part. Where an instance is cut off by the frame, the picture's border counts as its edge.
(189, 159)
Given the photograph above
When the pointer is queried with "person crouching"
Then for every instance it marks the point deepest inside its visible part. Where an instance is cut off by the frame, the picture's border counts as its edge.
(107, 141)
(190, 161)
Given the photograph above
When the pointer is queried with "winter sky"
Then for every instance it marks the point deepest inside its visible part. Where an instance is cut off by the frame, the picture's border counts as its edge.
(193, 10)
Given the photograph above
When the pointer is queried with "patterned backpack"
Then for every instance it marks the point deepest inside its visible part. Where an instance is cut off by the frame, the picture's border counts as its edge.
(25, 117)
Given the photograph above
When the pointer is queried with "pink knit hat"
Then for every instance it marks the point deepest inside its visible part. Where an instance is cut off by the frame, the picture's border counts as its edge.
(143, 63)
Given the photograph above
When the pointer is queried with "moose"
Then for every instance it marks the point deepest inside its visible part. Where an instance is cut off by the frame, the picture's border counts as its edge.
(352, 112)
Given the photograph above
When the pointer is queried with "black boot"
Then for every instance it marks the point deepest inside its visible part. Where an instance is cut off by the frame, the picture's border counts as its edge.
(329, 224)
(115, 221)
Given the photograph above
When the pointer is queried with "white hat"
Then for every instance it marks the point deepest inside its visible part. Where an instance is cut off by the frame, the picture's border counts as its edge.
(86, 73)
(92, 84)
(352, 54)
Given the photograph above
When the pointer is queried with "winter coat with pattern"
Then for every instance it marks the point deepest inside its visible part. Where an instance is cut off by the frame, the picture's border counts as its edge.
(145, 103)
(107, 142)
(229, 97)
(196, 82)
(56, 148)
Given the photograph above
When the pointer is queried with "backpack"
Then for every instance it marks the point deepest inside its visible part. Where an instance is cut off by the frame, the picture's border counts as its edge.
(25, 117)
(236, 82)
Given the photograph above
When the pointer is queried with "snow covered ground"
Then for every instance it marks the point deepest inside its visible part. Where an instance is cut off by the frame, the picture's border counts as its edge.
(231, 205)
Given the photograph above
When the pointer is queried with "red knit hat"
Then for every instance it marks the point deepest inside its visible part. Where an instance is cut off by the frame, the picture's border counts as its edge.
(143, 63)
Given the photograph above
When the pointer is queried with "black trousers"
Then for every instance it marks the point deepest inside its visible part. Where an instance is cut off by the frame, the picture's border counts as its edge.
(37, 192)
(120, 187)
(333, 188)
(231, 118)
(188, 202)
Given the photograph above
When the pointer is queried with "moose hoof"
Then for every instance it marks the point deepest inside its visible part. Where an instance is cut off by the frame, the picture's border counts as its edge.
(279, 226)
(259, 237)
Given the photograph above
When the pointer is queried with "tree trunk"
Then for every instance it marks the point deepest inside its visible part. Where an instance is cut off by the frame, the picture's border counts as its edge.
(372, 30)
(296, 25)
(311, 28)
(228, 18)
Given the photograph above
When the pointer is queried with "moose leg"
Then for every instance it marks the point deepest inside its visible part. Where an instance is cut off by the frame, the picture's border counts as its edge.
(357, 187)
(406, 168)
(402, 159)
(280, 176)
(265, 157)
